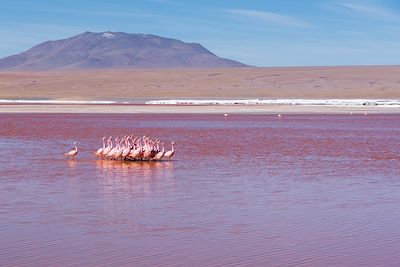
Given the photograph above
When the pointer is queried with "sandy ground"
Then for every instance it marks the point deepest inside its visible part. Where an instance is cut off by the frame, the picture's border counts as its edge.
(233, 83)
(193, 109)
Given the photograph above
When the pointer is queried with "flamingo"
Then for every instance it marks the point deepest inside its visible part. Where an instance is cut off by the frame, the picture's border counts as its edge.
(118, 152)
(73, 152)
(160, 154)
(99, 151)
(148, 148)
(171, 152)
(108, 148)
(131, 147)
(147, 153)
(114, 150)
(137, 153)
(127, 149)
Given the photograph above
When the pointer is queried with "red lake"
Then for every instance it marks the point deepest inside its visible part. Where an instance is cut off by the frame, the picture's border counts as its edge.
(242, 190)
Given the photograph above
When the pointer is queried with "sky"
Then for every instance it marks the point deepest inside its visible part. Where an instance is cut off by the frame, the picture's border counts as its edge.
(255, 32)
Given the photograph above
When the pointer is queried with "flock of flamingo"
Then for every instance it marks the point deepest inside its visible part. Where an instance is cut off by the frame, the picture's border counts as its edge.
(130, 148)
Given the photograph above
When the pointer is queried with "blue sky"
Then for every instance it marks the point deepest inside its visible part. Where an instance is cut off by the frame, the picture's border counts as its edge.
(255, 32)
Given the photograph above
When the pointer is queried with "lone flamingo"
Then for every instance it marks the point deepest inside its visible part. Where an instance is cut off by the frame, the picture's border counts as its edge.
(171, 152)
(73, 152)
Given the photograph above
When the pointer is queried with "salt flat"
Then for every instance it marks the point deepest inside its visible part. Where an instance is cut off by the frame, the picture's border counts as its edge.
(194, 109)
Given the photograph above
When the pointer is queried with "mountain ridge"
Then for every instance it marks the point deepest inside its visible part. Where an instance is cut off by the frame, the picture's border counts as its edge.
(115, 50)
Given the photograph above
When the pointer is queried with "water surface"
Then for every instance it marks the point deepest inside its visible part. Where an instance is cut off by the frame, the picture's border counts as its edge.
(243, 190)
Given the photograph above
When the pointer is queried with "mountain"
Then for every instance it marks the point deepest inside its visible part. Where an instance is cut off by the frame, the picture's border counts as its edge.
(115, 50)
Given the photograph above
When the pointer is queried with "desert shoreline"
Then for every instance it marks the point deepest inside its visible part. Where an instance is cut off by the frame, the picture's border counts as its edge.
(110, 89)
(353, 82)
(198, 109)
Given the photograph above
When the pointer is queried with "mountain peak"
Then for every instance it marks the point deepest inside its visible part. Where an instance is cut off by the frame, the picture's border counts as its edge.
(108, 35)
(115, 50)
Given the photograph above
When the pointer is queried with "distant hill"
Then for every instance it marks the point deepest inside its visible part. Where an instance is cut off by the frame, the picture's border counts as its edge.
(115, 50)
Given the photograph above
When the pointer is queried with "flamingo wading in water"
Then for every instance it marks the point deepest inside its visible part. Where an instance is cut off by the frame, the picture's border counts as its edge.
(171, 152)
(160, 154)
(108, 148)
(100, 150)
(73, 152)
(134, 148)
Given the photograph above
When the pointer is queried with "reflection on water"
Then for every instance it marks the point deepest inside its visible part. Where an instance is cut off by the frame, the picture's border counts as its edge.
(252, 190)
(143, 176)
(126, 168)
(72, 163)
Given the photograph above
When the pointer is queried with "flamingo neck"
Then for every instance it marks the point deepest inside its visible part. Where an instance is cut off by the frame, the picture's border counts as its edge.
(76, 148)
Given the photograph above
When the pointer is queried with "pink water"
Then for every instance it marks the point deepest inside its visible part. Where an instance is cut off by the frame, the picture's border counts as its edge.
(246, 190)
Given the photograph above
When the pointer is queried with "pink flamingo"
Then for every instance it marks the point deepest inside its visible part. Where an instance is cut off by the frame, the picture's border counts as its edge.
(108, 148)
(160, 154)
(119, 151)
(99, 151)
(171, 152)
(147, 153)
(127, 149)
(115, 149)
(73, 152)
(147, 149)
(137, 153)
(131, 147)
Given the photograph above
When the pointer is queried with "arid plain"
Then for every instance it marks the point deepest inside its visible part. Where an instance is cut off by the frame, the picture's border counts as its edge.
(221, 83)
(300, 82)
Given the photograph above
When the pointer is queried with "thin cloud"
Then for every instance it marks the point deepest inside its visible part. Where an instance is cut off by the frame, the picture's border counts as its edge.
(373, 11)
(270, 17)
